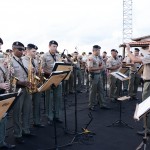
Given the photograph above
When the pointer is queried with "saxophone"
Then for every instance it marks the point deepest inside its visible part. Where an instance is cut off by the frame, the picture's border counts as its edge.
(41, 72)
(32, 79)
(10, 79)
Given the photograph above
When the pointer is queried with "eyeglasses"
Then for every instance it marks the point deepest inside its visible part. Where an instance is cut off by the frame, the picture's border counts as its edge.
(20, 49)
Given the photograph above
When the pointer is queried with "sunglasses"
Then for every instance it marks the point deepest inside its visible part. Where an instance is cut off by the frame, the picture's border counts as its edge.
(20, 49)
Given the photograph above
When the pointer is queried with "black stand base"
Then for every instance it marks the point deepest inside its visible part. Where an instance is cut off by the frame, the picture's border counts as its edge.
(143, 144)
(120, 123)
(85, 137)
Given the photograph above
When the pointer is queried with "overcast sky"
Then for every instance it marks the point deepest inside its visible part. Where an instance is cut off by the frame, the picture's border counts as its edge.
(71, 23)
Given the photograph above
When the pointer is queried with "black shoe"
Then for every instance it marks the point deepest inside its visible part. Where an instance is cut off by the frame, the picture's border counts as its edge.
(143, 132)
(19, 140)
(39, 125)
(50, 122)
(28, 135)
(133, 98)
(71, 92)
(92, 108)
(58, 120)
(7, 146)
(114, 100)
(79, 91)
(105, 107)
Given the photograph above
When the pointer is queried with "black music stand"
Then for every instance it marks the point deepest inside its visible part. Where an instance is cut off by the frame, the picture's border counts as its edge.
(119, 122)
(60, 66)
(142, 110)
(54, 80)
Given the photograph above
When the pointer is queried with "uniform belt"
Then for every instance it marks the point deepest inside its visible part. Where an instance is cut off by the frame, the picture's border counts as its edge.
(146, 81)
(96, 73)
(78, 68)
(20, 86)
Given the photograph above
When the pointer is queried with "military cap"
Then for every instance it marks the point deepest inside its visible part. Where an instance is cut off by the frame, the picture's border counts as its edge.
(30, 46)
(18, 45)
(113, 50)
(53, 42)
(96, 47)
(1, 41)
(8, 50)
(136, 49)
(69, 55)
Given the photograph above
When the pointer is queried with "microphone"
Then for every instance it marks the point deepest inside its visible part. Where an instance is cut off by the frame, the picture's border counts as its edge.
(63, 52)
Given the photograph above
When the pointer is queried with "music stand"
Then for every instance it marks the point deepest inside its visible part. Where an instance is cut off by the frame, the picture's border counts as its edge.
(7, 101)
(60, 66)
(141, 111)
(54, 80)
(119, 122)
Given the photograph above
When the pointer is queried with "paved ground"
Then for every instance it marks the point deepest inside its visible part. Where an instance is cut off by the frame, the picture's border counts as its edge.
(106, 138)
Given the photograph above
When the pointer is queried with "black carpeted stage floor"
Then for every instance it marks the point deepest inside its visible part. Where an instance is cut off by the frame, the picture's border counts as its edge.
(106, 138)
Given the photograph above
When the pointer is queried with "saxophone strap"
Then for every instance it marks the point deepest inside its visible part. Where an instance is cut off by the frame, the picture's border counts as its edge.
(53, 56)
(21, 64)
(4, 76)
(33, 63)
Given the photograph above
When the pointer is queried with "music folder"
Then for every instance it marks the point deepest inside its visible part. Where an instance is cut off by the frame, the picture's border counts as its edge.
(124, 70)
(55, 79)
(61, 66)
(120, 76)
(141, 109)
(140, 70)
(7, 101)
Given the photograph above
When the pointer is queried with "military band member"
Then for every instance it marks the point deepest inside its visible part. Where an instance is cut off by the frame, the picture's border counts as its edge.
(36, 96)
(113, 64)
(146, 77)
(22, 108)
(3, 87)
(134, 76)
(48, 60)
(95, 65)
(77, 61)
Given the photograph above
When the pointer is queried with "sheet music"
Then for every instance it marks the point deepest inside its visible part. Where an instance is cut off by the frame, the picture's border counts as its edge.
(4, 106)
(55, 78)
(142, 108)
(120, 76)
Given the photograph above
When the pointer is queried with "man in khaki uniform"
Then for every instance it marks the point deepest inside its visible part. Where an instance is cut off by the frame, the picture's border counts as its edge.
(134, 77)
(146, 77)
(22, 108)
(77, 61)
(3, 87)
(113, 64)
(36, 96)
(95, 65)
(48, 60)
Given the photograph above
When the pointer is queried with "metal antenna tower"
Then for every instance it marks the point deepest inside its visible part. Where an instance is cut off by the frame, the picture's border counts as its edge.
(127, 20)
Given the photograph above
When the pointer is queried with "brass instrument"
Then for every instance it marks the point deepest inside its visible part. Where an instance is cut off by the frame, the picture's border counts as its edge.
(10, 79)
(41, 72)
(32, 79)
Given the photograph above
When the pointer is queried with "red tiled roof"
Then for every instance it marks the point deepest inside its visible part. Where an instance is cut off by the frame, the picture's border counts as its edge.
(141, 38)
(137, 44)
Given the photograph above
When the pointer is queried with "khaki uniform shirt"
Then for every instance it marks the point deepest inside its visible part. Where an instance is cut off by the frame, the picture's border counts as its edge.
(18, 70)
(134, 67)
(34, 64)
(48, 61)
(146, 63)
(111, 62)
(94, 61)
